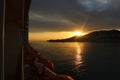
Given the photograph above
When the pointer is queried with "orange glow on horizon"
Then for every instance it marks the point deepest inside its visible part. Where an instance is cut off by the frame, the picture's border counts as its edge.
(49, 35)
(43, 36)
(78, 33)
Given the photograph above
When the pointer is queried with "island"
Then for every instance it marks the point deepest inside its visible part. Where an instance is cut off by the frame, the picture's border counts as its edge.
(96, 36)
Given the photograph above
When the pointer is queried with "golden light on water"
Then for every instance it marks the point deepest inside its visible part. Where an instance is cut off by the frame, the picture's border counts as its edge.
(78, 58)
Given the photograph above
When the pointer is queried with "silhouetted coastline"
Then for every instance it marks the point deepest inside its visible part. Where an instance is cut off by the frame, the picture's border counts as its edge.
(112, 36)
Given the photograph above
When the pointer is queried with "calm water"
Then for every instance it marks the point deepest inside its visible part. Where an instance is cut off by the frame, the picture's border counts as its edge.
(83, 61)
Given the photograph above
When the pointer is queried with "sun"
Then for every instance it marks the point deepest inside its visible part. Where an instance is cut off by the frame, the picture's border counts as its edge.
(78, 33)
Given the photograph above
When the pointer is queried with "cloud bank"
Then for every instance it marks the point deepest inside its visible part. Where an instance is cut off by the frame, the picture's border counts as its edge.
(67, 15)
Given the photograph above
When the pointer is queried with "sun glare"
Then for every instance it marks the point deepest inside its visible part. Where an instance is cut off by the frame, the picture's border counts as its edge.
(78, 33)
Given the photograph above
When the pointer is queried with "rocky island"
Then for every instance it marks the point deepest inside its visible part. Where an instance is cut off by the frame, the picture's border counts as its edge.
(96, 36)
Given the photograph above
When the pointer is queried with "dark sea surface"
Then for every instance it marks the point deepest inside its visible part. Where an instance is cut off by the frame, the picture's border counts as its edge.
(83, 61)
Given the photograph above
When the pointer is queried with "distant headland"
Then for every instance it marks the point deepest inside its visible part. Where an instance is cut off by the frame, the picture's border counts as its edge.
(96, 36)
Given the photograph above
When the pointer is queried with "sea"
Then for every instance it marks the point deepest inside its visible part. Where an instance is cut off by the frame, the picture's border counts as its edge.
(83, 60)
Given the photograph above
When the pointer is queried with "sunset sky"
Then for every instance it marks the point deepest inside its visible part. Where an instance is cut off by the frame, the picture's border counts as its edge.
(53, 19)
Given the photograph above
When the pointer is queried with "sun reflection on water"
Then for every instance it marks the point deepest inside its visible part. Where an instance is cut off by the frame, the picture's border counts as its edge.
(78, 57)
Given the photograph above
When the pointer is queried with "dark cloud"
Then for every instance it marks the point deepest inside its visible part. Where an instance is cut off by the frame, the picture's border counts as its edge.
(65, 15)
(99, 5)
